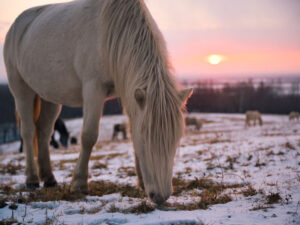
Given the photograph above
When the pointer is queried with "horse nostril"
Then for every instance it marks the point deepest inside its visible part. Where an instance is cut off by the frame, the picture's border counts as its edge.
(156, 198)
(151, 195)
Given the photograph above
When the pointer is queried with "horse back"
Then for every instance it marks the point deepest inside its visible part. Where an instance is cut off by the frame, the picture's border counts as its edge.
(52, 48)
(18, 30)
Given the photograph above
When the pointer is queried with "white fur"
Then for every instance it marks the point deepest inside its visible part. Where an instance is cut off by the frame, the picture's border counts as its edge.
(81, 53)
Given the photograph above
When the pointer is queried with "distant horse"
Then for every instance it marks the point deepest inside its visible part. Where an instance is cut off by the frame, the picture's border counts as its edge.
(120, 127)
(192, 121)
(80, 53)
(253, 116)
(60, 127)
(294, 116)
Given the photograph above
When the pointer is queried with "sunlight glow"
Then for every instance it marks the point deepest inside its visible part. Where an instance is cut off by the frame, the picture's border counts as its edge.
(215, 59)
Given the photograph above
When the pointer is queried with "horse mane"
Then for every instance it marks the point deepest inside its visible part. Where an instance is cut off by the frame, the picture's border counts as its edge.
(138, 59)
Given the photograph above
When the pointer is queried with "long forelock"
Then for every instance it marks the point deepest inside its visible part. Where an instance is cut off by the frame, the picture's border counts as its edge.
(138, 59)
(163, 124)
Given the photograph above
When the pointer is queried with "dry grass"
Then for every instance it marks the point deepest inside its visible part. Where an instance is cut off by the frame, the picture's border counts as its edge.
(100, 188)
(127, 171)
(8, 221)
(261, 207)
(264, 148)
(259, 164)
(63, 192)
(273, 198)
(289, 146)
(97, 157)
(10, 168)
(217, 141)
(211, 192)
(207, 198)
(180, 185)
(250, 191)
(142, 208)
(99, 165)
(64, 161)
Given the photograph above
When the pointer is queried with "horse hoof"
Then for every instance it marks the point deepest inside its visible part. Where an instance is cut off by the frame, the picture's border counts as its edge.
(32, 185)
(50, 183)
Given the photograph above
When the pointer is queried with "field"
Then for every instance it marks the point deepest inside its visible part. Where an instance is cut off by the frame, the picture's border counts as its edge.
(223, 174)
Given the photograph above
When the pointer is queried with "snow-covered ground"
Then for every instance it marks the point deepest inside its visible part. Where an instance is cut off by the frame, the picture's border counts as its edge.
(224, 174)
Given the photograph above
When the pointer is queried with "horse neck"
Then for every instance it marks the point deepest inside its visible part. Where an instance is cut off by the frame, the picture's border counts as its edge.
(135, 48)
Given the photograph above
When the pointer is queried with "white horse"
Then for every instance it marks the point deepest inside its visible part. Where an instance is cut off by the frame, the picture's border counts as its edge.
(192, 121)
(79, 54)
(253, 116)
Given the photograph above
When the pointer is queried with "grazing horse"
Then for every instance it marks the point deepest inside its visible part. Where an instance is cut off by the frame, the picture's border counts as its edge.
(192, 121)
(294, 115)
(253, 116)
(63, 133)
(120, 127)
(81, 53)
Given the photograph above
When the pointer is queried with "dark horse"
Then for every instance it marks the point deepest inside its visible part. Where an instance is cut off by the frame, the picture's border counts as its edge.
(119, 127)
(63, 132)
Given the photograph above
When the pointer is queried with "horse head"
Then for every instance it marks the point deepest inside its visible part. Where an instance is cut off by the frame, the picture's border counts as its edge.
(156, 128)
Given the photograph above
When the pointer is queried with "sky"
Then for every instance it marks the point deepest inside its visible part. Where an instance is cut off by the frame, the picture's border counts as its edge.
(215, 38)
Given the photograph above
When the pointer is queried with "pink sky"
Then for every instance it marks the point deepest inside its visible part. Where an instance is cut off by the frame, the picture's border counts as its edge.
(255, 37)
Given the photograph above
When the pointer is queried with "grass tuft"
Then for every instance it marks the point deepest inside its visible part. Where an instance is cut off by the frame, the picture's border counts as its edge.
(250, 191)
(142, 208)
(273, 198)
(10, 168)
(289, 146)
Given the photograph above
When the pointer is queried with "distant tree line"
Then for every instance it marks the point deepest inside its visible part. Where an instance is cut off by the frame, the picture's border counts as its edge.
(230, 98)
(243, 96)
(7, 107)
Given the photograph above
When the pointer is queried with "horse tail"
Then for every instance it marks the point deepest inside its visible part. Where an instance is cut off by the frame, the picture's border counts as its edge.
(18, 122)
(36, 115)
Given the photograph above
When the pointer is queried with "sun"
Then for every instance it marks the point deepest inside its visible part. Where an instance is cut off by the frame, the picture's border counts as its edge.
(215, 59)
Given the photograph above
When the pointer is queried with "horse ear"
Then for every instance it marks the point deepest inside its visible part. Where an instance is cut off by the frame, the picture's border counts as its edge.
(140, 97)
(185, 94)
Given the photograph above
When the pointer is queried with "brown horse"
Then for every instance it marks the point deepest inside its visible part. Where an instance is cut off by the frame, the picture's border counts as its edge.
(120, 127)
(81, 53)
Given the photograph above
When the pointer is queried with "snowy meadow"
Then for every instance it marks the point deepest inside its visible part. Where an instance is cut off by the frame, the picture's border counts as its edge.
(224, 173)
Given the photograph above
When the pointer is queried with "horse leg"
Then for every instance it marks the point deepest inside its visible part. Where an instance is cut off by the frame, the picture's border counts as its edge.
(92, 110)
(48, 115)
(124, 134)
(114, 135)
(25, 103)
(139, 173)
